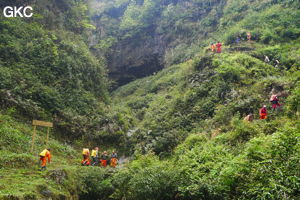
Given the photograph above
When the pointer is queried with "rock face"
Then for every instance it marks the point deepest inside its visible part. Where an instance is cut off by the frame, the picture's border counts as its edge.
(136, 57)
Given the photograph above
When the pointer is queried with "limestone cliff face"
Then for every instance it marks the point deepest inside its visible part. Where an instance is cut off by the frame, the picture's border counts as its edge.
(136, 57)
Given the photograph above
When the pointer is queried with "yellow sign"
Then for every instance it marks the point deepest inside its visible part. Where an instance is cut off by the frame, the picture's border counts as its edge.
(42, 123)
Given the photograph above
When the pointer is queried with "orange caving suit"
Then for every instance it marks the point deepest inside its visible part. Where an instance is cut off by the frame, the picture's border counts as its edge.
(113, 162)
(263, 113)
(212, 47)
(43, 157)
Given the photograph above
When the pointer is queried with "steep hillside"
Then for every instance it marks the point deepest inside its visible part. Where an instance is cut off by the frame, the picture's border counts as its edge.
(189, 123)
(205, 92)
(47, 70)
(202, 95)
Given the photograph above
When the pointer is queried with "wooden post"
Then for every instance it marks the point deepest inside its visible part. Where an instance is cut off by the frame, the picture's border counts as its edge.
(47, 138)
(36, 123)
(33, 138)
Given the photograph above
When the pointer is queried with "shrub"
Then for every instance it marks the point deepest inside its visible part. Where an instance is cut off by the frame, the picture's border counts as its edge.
(96, 183)
(292, 104)
(146, 178)
(17, 160)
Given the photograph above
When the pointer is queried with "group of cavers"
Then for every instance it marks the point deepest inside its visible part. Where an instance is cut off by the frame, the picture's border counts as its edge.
(96, 160)
(102, 160)
(217, 47)
(263, 111)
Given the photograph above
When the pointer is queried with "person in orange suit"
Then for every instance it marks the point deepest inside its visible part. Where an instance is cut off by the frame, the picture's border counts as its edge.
(104, 158)
(263, 112)
(86, 162)
(44, 155)
(113, 159)
(212, 47)
(86, 157)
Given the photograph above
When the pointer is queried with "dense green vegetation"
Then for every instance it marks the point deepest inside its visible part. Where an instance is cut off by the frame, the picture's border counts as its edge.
(182, 127)
(205, 92)
(50, 74)
(226, 167)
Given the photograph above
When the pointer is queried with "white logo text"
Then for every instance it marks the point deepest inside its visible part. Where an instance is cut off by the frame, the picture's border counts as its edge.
(17, 12)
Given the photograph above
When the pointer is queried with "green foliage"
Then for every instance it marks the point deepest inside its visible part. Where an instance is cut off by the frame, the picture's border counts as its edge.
(16, 160)
(96, 183)
(209, 169)
(145, 178)
(293, 103)
(12, 139)
(281, 28)
(46, 74)
(78, 20)
(105, 44)
(242, 132)
(136, 16)
(215, 89)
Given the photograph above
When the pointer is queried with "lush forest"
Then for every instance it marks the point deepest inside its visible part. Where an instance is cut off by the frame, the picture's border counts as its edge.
(139, 77)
